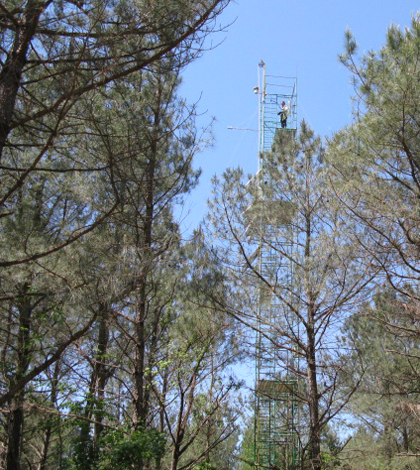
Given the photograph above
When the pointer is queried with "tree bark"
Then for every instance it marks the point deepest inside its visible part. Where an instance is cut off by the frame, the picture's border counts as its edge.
(11, 73)
(314, 429)
(313, 397)
(15, 420)
(143, 393)
(49, 430)
(101, 373)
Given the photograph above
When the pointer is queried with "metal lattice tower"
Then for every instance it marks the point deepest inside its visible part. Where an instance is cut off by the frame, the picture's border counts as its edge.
(275, 429)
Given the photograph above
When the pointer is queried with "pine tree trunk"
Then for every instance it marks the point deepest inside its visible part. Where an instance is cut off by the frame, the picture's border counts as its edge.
(142, 402)
(11, 73)
(15, 421)
(140, 405)
(14, 434)
(314, 429)
(315, 432)
(101, 370)
(175, 458)
(49, 430)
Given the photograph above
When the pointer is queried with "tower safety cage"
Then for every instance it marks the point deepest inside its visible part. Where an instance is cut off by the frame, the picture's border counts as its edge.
(276, 422)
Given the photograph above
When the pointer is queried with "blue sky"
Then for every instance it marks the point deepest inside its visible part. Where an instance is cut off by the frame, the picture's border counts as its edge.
(301, 38)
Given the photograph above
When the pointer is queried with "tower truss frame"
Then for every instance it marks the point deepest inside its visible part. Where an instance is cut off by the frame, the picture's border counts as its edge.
(276, 437)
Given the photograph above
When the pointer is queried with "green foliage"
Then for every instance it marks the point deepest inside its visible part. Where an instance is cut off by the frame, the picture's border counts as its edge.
(381, 409)
(377, 183)
(85, 454)
(329, 461)
(119, 451)
(116, 449)
(332, 447)
(246, 454)
(205, 466)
